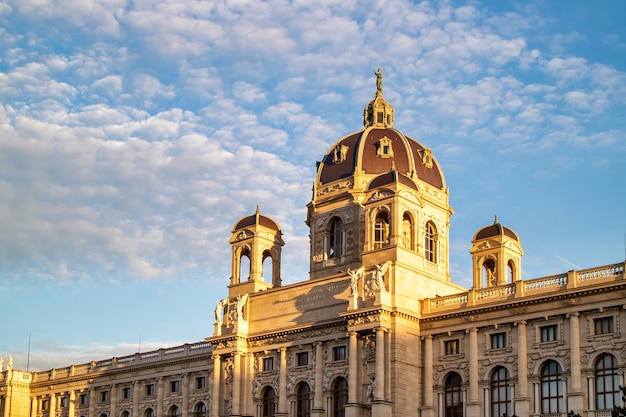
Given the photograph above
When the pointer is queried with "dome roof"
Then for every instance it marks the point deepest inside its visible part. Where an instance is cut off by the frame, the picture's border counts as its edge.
(379, 149)
(494, 230)
(256, 219)
(363, 153)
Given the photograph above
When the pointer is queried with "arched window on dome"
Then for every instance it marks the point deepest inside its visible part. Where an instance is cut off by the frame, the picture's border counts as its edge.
(381, 229)
(500, 392)
(407, 232)
(430, 242)
(607, 381)
(268, 407)
(303, 402)
(268, 266)
(453, 395)
(551, 388)
(340, 397)
(489, 273)
(335, 239)
(244, 264)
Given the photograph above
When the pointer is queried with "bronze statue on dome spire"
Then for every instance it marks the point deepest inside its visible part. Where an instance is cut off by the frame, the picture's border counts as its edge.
(379, 81)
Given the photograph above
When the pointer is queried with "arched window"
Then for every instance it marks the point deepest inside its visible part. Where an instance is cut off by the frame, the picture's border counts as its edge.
(430, 242)
(489, 273)
(103, 415)
(607, 383)
(174, 411)
(453, 395)
(269, 402)
(199, 410)
(149, 413)
(500, 393)
(407, 231)
(551, 388)
(244, 265)
(125, 414)
(511, 271)
(268, 266)
(381, 230)
(335, 239)
(303, 400)
(340, 397)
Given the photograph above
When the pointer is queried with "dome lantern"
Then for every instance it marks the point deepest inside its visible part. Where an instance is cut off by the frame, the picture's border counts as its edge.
(378, 112)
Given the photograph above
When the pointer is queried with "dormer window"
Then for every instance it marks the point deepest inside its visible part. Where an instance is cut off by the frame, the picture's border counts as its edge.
(384, 148)
(339, 154)
(427, 158)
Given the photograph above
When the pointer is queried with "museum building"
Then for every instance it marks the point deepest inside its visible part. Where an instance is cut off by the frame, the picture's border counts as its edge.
(378, 329)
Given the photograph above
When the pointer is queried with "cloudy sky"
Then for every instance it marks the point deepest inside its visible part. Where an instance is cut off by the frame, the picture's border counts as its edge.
(134, 134)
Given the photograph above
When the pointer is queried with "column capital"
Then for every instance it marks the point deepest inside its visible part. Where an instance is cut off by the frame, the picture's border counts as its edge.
(472, 330)
(428, 337)
(520, 323)
(573, 314)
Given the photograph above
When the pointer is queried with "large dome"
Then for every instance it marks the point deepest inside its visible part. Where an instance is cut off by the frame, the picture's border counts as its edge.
(363, 154)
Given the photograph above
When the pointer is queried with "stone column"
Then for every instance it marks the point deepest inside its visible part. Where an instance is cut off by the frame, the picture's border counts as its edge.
(352, 368)
(215, 397)
(34, 404)
(92, 402)
(136, 396)
(379, 392)
(473, 401)
(282, 382)
(522, 400)
(318, 400)
(113, 399)
(160, 397)
(185, 388)
(575, 396)
(71, 406)
(428, 407)
(236, 384)
(53, 405)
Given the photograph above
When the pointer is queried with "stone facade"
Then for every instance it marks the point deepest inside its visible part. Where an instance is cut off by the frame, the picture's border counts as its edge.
(378, 329)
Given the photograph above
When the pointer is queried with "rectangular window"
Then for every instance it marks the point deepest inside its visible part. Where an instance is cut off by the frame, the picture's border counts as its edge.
(104, 396)
(451, 347)
(201, 382)
(82, 399)
(268, 364)
(498, 340)
(174, 385)
(126, 393)
(150, 389)
(603, 325)
(302, 358)
(45, 405)
(64, 402)
(339, 353)
(549, 333)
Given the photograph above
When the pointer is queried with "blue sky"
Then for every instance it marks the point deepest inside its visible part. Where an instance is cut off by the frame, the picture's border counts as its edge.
(133, 134)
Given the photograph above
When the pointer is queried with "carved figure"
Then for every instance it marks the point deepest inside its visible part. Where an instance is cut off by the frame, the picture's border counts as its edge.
(354, 280)
(379, 80)
(10, 363)
(371, 387)
(219, 310)
(378, 282)
(1, 363)
(241, 302)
